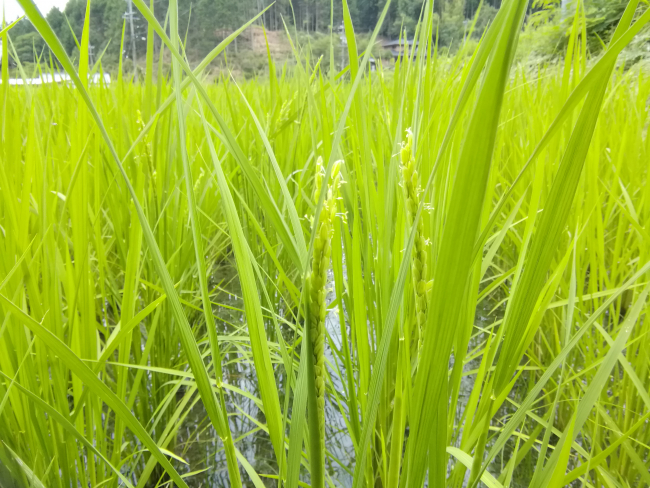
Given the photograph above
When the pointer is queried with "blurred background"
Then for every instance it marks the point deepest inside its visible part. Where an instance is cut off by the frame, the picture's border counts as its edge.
(204, 23)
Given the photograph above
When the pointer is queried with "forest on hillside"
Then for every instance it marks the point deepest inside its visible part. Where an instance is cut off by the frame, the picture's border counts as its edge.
(204, 23)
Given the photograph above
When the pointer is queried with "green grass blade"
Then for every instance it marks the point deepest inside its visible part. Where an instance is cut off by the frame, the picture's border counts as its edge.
(185, 332)
(88, 377)
(261, 356)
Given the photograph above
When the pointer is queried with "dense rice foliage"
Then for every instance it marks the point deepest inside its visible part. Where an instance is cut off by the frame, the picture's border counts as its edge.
(469, 268)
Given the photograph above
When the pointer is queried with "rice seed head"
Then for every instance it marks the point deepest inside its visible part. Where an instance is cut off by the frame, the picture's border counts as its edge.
(419, 271)
(318, 282)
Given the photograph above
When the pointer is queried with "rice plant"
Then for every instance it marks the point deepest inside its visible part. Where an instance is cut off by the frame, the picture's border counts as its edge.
(431, 274)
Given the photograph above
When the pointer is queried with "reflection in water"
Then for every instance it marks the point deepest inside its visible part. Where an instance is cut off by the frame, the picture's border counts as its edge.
(198, 443)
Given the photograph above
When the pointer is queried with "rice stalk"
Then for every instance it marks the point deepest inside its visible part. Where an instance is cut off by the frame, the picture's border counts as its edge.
(317, 286)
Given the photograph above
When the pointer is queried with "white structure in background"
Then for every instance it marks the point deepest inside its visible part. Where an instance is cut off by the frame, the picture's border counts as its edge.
(59, 78)
(129, 16)
(344, 43)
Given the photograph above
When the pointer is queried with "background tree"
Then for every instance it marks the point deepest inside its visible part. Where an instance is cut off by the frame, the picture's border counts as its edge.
(204, 23)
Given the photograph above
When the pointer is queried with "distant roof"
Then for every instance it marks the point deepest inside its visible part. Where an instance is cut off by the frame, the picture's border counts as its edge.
(398, 42)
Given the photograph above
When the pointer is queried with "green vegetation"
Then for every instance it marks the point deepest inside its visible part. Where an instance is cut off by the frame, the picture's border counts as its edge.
(204, 23)
(436, 272)
(551, 22)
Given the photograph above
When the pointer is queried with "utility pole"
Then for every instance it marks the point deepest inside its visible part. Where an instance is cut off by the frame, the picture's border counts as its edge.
(344, 43)
(563, 8)
(129, 16)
